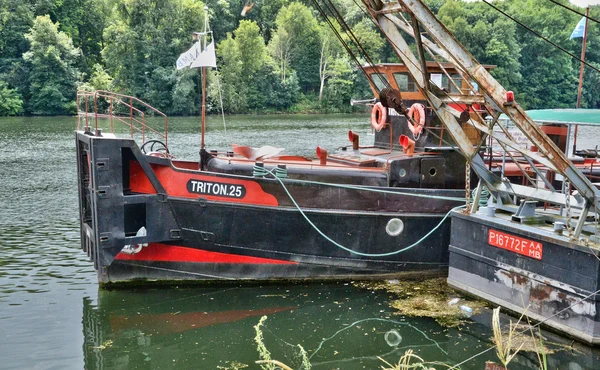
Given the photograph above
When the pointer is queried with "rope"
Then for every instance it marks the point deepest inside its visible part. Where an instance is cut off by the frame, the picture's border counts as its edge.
(345, 45)
(221, 100)
(281, 173)
(353, 251)
(574, 11)
(375, 319)
(542, 37)
(259, 171)
(467, 185)
(483, 197)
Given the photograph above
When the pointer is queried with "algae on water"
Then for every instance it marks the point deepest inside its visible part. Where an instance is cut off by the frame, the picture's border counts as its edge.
(427, 298)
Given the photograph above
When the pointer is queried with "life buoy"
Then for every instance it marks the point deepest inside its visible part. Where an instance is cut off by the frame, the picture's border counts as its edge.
(378, 116)
(417, 113)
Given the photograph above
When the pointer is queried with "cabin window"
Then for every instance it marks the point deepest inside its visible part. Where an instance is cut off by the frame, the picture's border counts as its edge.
(405, 82)
(449, 86)
(380, 80)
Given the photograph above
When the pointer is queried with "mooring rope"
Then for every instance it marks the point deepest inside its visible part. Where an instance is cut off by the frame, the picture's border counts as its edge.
(259, 171)
(376, 319)
(316, 228)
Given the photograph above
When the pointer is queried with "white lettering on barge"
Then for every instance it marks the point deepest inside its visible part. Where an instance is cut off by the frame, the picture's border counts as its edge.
(216, 188)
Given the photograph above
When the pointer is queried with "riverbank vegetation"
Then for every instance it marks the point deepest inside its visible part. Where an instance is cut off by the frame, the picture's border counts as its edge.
(280, 57)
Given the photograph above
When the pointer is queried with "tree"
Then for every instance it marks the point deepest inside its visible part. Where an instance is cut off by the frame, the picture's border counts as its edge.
(330, 49)
(52, 78)
(99, 80)
(251, 47)
(16, 17)
(340, 84)
(302, 27)
(10, 101)
(230, 68)
(280, 49)
(143, 42)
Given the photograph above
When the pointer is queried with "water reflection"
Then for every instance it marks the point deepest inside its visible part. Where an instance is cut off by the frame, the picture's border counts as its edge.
(339, 326)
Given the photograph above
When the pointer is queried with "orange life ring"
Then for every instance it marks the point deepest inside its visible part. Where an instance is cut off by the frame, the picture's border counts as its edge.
(417, 113)
(378, 116)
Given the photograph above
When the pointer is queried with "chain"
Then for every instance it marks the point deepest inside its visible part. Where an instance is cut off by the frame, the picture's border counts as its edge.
(468, 185)
(568, 208)
(597, 215)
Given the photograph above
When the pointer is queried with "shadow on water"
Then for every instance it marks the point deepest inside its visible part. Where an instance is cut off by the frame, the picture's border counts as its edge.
(53, 316)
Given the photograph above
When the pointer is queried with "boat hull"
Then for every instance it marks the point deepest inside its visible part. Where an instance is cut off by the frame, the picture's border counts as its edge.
(537, 273)
(206, 226)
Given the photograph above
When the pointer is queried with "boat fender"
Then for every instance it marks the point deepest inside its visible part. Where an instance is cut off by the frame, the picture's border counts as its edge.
(378, 116)
(417, 113)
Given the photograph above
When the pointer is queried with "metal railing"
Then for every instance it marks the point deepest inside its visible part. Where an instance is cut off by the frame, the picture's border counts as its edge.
(128, 110)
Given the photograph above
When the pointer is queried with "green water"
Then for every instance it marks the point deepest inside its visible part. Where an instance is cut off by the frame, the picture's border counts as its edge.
(53, 316)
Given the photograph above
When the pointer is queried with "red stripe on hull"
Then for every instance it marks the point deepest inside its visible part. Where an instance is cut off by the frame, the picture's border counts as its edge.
(171, 253)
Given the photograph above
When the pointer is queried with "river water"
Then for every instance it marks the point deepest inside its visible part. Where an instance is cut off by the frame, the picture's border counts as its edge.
(54, 316)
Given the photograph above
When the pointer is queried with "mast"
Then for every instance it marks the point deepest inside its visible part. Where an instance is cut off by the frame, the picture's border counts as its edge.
(202, 146)
(200, 55)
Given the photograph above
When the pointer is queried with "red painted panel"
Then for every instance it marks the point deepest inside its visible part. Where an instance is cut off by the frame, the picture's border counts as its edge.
(513, 243)
(171, 253)
(176, 184)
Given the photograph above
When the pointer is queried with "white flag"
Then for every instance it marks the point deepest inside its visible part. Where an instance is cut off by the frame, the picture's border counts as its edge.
(189, 56)
(207, 57)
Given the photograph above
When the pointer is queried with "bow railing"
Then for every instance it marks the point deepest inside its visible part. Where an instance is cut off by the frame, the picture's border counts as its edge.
(142, 120)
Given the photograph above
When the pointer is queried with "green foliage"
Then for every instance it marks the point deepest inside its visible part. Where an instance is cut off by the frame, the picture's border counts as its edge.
(143, 42)
(99, 80)
(232, 89)
(279, 57)
(16, 17)
(303, 29)
(340, 85)
(251, 47)
(10, 101)
(52, 77)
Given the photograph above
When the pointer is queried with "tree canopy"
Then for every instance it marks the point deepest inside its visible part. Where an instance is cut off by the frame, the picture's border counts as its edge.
(280, 57)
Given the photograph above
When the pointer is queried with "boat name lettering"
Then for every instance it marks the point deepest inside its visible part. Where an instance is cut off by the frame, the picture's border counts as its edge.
(526, 247)
(216, 188)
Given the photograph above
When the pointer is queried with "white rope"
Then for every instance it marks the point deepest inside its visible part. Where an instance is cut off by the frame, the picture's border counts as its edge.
(221, 99)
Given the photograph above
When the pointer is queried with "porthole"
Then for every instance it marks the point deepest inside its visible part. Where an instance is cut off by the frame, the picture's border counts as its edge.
(394, 227)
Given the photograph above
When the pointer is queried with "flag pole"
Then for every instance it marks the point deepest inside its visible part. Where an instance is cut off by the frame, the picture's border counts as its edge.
(203, 106)
(587, 13)
(202, 147)
(580, 87)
